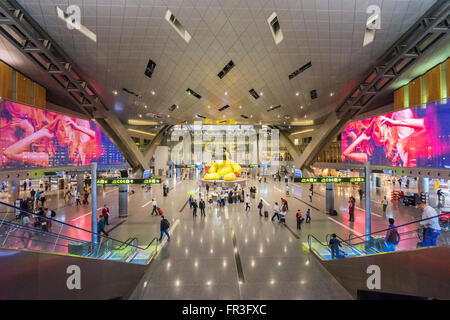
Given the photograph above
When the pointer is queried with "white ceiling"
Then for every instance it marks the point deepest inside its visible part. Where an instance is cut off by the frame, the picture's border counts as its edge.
(329, 33)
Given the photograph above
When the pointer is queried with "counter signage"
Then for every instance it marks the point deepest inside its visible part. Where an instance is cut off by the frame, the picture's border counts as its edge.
(129, 181)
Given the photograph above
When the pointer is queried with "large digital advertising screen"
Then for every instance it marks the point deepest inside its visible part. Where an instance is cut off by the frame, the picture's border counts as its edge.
(414, 137)
(36, 138)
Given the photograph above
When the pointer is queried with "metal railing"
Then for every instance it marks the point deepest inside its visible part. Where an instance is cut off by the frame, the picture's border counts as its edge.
(411, 237)
(51, 235)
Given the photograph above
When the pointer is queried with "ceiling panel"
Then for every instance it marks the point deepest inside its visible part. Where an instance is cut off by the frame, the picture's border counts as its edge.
(329, 33)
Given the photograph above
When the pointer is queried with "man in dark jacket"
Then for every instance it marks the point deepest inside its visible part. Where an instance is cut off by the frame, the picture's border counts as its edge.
(164, 227)
(334, 246)
(194, 208)
(201, 205)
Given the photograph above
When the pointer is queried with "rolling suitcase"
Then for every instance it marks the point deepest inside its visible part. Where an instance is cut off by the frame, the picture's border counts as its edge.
(266, 214)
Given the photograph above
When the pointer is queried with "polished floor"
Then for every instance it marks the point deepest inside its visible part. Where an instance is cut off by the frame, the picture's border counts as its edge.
(231, 253)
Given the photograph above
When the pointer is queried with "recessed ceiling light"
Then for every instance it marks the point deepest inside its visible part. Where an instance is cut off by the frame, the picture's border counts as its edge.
(240, 107)
(140, 116)
(209, 107)
(168, 116)
(153, 92)
(261, 93)
(301, 107)
(251, 116)
(145, 106)
(331, 94)
(226, 93)
(297, 93)
(115, 92)
(161, 122)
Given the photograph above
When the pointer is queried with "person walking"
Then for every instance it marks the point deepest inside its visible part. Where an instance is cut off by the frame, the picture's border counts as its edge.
(431, 227)
(299, 218)
(78, 200)
(276, 211)
(310, 195)
(194, 208)
(284, 204)
(282, 216)
(164, 227)
(207, 189)
(351, 209)
(361, 193)
(201, 205)
(42, 198)
(308, 216)
(392, 237)
(155, 207)
(334, 245)
(260, 207)
(311, 188)
(384, 204)
(101, 226)
(105, 214)
(247, 202)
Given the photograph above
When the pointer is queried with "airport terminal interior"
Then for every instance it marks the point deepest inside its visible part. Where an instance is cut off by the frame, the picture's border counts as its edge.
(224, 149)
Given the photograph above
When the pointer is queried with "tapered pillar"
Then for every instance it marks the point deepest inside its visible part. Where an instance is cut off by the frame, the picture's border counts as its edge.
(123, 201)
(329, 197)
(368, 221)
(94, 203)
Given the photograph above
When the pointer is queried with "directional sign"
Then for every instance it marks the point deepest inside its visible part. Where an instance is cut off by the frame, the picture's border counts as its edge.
(333, 180)
(129, 181)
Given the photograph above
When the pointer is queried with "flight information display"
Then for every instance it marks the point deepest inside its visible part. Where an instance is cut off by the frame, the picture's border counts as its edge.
(128, 181)
(35, 138)
(333, 180)
(413, 137)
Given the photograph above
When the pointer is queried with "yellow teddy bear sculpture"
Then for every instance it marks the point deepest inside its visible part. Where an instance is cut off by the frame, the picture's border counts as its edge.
(226, 169)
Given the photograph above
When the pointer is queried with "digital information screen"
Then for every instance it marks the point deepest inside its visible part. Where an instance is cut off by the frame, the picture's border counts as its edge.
(128, 181)
(413, 137)
(32, 138)
(333, 180)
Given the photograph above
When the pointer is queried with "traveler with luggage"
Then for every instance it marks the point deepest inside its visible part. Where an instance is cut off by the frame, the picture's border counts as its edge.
(282, 216)
(276, 210)
(164, 227)
(260, 207)
(155, 207)
(392, 237)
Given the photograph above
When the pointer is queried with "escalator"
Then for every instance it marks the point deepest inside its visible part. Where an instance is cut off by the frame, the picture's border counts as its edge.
(37, 264)
(414, 269)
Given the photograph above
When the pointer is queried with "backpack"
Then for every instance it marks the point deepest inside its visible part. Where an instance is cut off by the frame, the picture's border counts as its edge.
(394, 237)
(166, 223)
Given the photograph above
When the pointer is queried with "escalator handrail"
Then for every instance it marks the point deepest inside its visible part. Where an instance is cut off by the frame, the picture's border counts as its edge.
(51, 234)
(396, 227)
(351, 246)
(320, 242)
(71, 226)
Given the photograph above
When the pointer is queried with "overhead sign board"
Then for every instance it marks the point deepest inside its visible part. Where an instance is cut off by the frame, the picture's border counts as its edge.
(333, 180)
(129, 181)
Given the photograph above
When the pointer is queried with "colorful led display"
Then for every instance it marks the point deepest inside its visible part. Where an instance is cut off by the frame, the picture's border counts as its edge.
(333, 180)
(36, 138)
(414, 137)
